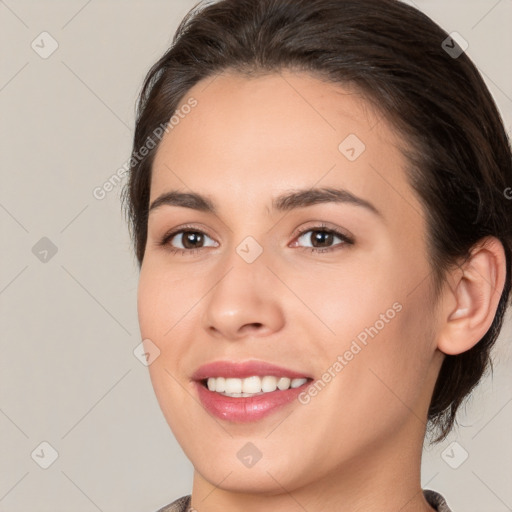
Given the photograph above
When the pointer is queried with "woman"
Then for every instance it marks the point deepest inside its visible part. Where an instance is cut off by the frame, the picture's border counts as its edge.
(318, 204)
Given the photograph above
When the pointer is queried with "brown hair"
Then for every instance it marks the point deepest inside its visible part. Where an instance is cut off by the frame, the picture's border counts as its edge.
(459, 153)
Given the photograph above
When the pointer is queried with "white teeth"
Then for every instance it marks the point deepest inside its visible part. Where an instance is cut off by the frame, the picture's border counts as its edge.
(211, 384)
(298, 382)
(252, 385)
(220, 384)
(268, 384)
(233, 386)
(283, 383)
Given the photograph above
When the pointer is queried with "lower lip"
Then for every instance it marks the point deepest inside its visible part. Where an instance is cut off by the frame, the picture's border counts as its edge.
(246, 409)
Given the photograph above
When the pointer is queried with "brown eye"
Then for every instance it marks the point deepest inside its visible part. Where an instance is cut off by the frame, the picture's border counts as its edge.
(191, 239)
(322, 239)
(186, 241)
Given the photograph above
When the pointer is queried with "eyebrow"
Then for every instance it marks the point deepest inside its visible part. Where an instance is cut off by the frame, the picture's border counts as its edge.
(282, 203)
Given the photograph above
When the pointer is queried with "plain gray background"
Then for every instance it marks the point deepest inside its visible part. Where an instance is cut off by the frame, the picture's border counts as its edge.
(68, 279)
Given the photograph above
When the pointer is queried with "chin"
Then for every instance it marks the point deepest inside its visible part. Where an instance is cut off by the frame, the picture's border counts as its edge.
(243, 480)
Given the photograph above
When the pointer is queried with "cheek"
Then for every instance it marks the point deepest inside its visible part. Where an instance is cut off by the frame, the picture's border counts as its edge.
(163, 300)
(349, 299)
(373, 294)
(167, 309)
(162, 303)
(377, 315)
(389, 372)
(151, 303)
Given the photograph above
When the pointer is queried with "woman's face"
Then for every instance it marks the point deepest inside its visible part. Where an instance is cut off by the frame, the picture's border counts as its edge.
(352, 313)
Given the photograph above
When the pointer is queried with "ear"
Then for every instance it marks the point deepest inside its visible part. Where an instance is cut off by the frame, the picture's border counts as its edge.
(471, 297)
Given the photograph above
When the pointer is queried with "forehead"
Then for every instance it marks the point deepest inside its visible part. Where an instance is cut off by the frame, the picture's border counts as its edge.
(251, 138)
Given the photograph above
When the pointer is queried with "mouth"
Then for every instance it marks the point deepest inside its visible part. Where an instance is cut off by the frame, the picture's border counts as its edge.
(247, 391)
(254, 385)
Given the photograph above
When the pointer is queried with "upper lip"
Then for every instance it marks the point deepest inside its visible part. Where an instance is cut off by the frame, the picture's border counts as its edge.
(243, 369)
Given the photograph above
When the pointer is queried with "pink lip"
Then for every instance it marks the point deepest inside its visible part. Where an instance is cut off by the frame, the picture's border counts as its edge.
(244, 369)
(245, 409)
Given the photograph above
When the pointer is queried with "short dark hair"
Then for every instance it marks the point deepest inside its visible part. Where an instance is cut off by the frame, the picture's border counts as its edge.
(455, 142)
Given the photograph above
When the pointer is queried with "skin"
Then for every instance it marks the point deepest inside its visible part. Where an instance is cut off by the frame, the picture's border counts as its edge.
(357, 444)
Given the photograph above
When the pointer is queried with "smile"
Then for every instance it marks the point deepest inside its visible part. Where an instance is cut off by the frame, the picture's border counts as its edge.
(252, 386)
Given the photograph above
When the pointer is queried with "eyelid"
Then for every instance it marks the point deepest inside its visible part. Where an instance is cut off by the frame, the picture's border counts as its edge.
(169, 235)
(346, 237)
(323, 226)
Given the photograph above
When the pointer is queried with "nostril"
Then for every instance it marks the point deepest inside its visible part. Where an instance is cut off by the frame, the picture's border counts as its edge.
(253, 326)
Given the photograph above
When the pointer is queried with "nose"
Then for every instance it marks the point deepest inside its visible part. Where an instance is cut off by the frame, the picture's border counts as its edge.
(243, 302)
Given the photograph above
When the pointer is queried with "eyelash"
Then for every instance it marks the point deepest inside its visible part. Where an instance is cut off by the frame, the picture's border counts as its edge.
(346, 240)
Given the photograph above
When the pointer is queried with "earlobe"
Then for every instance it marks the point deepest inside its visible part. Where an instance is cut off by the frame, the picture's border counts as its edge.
(476, 292)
